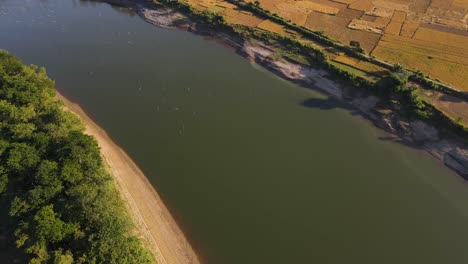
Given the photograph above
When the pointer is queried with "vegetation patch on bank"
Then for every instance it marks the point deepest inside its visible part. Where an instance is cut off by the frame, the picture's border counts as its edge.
(63, 203)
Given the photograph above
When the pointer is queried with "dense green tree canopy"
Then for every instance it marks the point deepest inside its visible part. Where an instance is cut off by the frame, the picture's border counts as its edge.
(63, 202)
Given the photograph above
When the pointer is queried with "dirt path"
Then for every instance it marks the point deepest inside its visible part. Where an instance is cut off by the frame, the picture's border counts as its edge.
(154, 223)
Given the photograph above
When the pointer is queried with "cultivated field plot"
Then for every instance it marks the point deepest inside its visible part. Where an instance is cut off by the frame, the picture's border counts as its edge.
(241, 17)
(453, 107)
(366, 26)
(363, 66)
(273, 27)
(430, 36)
(336, 27)
(443, 61)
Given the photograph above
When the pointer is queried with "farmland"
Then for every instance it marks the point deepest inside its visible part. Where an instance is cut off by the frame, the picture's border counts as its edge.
(395, 31)
(443, 62)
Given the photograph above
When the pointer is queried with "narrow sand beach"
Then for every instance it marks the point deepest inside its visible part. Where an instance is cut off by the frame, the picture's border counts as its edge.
(155, 225)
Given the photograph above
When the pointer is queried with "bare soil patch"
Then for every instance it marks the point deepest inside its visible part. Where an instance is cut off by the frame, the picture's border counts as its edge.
(380, 12)
(366, 26)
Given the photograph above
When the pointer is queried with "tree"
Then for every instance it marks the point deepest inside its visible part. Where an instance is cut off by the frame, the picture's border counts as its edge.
(22, 158)
(49, 227)
(22, 130)
(63, 203)
(47, 184)
(355, 44)
(60, 257)
(398, 68)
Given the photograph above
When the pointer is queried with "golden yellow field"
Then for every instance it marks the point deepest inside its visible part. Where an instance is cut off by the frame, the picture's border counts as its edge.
(242, 18)
(361, 65)
(402, 6)
(267, 4)
(294, 17)
(311, 6)
(428, 47)
(346, 60)
(371, 68)
(199, 4)
(272, 27)
(337, 28)
(460, 3)
(409, 28)
(362, 5)
(399, 16)
(444, 38)
(444, 63)
(382, 20)
(393, 28)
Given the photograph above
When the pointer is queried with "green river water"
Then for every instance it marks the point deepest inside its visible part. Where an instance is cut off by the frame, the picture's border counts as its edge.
(255, 169)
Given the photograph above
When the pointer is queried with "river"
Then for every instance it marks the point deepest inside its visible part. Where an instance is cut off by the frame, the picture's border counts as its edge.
(255, 169)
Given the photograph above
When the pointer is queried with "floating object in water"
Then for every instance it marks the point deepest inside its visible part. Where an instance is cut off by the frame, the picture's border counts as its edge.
(181, 131)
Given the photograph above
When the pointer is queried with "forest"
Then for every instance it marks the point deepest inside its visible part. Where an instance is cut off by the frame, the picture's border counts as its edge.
(62, 202)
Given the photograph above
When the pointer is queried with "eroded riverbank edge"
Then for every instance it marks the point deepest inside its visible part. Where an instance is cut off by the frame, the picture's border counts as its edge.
(154, 224)
(450, 149)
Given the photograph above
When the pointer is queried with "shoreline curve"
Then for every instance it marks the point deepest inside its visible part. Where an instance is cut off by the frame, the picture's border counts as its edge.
(154, 224)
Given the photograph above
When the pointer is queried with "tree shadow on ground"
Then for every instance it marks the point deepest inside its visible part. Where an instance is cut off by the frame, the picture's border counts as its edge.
(8, 252)
(449, 98)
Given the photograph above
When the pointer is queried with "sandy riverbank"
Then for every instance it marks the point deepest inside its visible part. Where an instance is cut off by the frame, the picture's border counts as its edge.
(155, 225)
